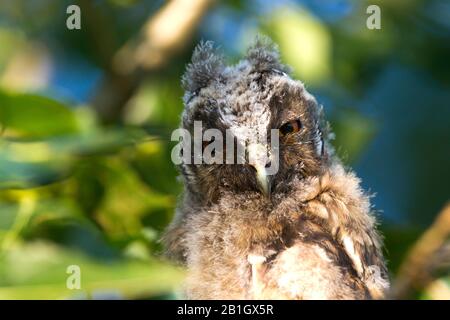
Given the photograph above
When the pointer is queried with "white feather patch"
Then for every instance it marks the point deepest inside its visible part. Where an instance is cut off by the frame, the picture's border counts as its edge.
(319, 147)
(256, 262)
(350, 249)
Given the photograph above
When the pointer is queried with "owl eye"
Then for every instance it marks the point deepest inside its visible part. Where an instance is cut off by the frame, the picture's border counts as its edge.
(292, 126)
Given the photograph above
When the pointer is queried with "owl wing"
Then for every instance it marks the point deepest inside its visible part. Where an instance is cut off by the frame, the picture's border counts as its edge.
(304, 271)
(354, 231)
(337, 202)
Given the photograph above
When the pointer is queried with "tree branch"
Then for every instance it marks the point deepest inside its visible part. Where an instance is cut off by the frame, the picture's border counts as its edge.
(163, 36)
(416, 270)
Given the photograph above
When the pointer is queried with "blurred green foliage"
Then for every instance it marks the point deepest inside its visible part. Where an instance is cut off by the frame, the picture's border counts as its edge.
(78, 188)
(74, 191)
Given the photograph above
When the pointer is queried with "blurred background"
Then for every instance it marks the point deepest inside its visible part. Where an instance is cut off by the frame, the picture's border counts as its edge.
(86, 115)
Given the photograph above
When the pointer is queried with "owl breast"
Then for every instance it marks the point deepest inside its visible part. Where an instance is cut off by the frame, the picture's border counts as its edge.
(253, 255)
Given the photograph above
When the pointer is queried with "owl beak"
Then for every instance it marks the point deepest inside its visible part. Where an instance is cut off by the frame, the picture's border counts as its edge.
(263, 180)
(258, 159)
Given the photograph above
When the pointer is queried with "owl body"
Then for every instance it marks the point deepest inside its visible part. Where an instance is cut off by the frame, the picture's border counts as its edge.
(308, 233)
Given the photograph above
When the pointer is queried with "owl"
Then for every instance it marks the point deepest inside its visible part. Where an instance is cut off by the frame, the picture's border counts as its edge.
(305, 231)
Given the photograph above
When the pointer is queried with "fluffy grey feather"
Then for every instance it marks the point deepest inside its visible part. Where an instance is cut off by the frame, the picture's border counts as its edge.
(263, 55)
(207, 65)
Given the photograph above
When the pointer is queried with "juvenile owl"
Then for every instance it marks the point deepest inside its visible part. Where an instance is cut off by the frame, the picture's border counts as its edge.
(304, 230)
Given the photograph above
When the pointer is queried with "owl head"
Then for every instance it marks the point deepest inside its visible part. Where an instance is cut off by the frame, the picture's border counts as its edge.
(264, 126)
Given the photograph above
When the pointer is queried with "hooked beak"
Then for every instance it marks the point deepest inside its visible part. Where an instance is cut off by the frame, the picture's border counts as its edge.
(263, 180)
(260, 161)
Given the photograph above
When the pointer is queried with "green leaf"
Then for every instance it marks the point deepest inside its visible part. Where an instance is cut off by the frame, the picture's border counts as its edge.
(97, 142)
(21, 175)
(37, 163)
(34, 116)
(124, 191)
(39, 271)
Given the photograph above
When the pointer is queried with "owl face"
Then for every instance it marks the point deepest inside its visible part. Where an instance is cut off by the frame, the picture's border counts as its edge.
(258, 108)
